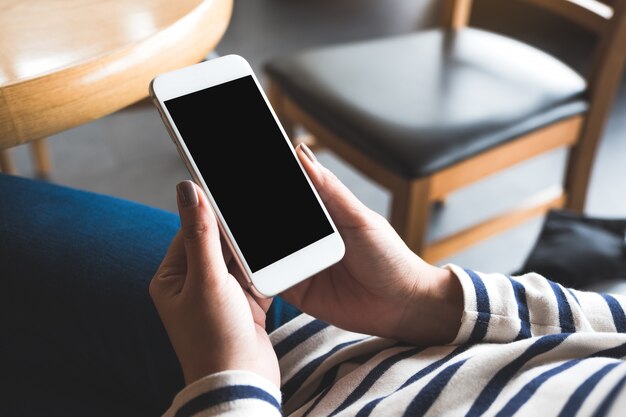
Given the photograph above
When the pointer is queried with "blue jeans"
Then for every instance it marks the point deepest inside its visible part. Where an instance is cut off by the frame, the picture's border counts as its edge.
(80, 335)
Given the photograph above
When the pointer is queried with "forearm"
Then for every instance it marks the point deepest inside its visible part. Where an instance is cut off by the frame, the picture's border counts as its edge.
(229, 393)
(499, 308)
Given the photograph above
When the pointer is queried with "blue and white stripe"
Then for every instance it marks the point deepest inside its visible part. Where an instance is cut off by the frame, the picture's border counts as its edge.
(526, 346)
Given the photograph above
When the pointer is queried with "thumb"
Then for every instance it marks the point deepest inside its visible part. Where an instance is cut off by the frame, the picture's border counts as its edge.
(201, 236)
(343, 206)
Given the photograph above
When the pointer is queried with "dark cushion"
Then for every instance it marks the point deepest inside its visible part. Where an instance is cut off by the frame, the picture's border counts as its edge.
(579, 251)
(421, 102)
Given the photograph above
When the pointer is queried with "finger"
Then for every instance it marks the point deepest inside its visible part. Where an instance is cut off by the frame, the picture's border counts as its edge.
(258, 308)
(170, 276)
(226, 252)
(343, 206)
(175, 257)
(235, 270)
(201, 235)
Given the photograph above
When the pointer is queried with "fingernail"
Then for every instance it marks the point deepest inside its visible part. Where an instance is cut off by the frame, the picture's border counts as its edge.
(187, 194)
(308, 152)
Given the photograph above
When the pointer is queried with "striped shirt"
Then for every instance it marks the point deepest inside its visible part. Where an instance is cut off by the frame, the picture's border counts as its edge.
(526, 346)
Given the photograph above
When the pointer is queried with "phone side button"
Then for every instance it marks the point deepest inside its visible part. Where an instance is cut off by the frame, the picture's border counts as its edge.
(171, 134)
(180, 152)
(167, 125)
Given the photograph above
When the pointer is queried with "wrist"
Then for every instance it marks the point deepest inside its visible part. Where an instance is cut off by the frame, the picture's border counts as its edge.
(261, 361)
(436, 306)
(265, 369)
(205, 365)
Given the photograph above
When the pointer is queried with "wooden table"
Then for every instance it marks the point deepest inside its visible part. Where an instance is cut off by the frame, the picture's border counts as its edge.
(67, 62)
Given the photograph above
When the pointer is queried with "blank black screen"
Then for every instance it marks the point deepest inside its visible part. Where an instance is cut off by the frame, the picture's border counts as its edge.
(249, 169)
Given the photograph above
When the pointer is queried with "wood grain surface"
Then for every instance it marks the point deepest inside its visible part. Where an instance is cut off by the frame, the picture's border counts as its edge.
(67, 62)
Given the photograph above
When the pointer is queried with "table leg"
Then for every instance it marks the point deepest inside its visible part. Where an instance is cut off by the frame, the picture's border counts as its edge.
(6, 163)
(41, 156)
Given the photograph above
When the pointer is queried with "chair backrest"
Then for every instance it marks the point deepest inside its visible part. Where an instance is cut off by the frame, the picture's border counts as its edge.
(592, 14)
(605, 18)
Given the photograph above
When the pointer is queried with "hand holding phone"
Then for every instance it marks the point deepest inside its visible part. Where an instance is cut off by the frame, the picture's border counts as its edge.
(235, 148)
(200, 301)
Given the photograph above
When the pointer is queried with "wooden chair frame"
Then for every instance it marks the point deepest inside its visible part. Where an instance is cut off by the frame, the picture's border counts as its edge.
(412, 199)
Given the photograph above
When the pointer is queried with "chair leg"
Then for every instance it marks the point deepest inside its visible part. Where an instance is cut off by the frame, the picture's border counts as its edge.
(410, 212)
(580, 163)
(6, 163)
(41, 156)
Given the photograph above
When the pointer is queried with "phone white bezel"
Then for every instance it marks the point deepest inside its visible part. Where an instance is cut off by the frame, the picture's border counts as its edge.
(288, 271)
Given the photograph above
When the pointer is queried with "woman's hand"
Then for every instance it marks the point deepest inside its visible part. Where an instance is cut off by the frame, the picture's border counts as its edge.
(380, 287)
(213, 324)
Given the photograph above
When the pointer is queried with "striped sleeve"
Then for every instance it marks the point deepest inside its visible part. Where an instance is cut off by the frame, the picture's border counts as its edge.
(499, 308)
(228, 393)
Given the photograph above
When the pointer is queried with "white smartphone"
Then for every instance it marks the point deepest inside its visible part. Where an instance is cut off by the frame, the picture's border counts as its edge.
(235, 148)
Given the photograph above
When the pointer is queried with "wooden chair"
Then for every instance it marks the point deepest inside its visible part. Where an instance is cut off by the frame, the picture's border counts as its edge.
(427, 113)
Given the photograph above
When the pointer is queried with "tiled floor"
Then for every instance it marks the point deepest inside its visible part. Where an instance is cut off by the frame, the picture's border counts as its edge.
(129, 155)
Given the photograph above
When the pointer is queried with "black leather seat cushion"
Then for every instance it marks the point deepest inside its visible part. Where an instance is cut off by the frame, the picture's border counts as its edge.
(421, 102)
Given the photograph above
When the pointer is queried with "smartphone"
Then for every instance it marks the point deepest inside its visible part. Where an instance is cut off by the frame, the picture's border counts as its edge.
(235, 148)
